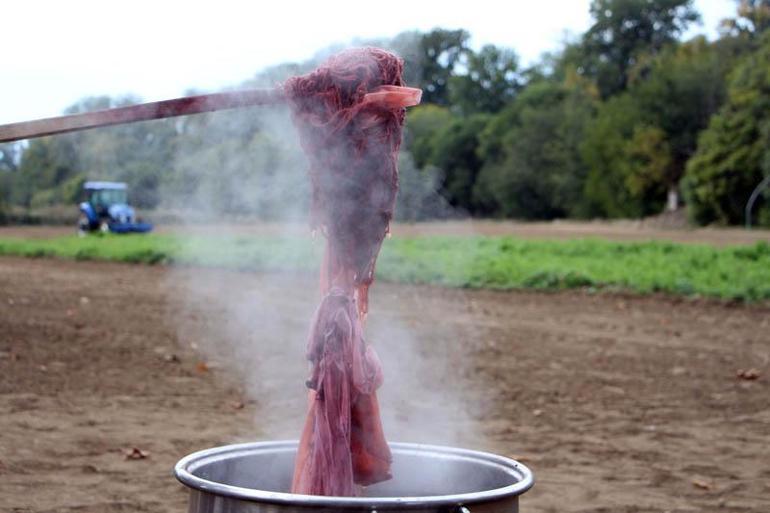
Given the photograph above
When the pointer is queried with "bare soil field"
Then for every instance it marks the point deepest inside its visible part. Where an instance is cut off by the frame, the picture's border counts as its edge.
(618, 403)
(612, 230)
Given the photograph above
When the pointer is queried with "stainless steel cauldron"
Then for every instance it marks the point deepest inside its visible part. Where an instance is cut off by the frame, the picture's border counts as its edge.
(256, 477)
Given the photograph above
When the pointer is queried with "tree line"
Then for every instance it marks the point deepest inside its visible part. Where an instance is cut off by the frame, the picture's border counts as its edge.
(623, 121)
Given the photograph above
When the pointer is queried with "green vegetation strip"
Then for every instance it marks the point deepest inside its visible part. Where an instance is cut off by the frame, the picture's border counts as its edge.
(736, 272)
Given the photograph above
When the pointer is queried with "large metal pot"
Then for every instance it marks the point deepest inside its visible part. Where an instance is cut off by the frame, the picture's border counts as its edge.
(256, 477)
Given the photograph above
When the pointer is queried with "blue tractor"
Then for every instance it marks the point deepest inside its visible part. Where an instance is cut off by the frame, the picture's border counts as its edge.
(106, 209)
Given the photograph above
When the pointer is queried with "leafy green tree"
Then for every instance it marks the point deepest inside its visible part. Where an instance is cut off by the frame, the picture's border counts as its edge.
(650, 163)
(605, 151)
(423, 122)
(530, 152)
(639, 144)
(10, 154)
(9, 159)
(236, 163)
(419, 195)
(408, 45)
(5, 187)
(489, 83)
(137, 153)
(52, 169)
(440, 52)
(684, 87)
(752, 18)
(733, 154)
(46, 163)
(623, 32)
(454, 152)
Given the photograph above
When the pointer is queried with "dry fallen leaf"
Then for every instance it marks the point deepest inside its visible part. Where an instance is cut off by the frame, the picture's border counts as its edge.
(135, 453)
(202, 367)
(89, 469)
(702, 484)
(748, 374)
(237, 405)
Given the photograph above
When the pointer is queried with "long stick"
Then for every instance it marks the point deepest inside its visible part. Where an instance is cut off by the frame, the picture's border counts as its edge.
(142, 112)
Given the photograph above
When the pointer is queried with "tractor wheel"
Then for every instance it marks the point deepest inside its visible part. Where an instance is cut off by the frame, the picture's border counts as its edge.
(84, 225)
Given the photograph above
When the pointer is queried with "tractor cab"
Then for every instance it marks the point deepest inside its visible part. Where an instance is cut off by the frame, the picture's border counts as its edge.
(106, 208)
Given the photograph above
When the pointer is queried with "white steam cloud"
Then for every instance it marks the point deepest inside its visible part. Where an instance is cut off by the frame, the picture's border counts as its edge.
(244, 174)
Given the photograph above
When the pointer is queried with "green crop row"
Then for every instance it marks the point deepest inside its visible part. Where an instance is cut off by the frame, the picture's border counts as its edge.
(735, 272)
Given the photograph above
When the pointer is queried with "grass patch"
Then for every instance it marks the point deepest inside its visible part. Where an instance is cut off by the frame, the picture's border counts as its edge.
(736, 273)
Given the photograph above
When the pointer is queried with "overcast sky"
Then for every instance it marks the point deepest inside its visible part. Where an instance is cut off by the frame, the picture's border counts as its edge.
(55, 52)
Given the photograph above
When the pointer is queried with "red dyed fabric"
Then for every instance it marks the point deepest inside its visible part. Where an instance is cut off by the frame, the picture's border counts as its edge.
(349, 113)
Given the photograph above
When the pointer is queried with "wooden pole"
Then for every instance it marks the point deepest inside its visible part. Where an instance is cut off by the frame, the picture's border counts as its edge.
(142, 112)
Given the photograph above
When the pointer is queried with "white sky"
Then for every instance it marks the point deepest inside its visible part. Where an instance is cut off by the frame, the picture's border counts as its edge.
(55, 52)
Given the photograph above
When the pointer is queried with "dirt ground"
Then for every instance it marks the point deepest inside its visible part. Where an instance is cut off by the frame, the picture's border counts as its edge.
(618, 403)
(642, 230)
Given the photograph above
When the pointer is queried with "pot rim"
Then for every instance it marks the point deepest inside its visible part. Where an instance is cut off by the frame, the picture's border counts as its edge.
(184, 469)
